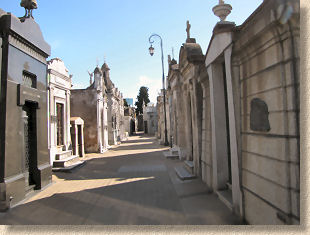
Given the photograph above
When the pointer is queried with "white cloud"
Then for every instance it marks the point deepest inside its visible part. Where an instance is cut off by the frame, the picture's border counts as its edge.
(55, 44)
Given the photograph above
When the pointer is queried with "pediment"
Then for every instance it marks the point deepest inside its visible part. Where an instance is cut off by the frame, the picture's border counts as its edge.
(217, 46)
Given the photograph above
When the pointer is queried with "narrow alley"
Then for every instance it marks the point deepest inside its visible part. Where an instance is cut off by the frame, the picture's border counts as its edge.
(131, 184)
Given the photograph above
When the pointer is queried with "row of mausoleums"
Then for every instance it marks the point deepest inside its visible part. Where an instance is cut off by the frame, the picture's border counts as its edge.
(233, 113)
(44, 124)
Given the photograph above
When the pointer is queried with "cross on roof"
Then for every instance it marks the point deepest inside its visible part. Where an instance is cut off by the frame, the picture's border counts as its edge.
(188, 28)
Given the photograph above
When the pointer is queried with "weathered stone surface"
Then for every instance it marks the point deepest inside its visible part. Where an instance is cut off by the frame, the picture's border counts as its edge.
(250, 108)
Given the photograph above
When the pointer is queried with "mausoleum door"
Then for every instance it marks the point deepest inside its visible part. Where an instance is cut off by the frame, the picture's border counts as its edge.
(190, 127)
(30, 141)
(227, 125)
(60, 124)
(145, 127)
(79, 143)
(73, 139)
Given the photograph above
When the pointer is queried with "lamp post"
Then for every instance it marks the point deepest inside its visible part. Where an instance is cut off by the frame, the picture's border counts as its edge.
(151, 50)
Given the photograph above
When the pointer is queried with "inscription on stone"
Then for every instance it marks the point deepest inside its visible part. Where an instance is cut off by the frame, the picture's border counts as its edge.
(259, 116)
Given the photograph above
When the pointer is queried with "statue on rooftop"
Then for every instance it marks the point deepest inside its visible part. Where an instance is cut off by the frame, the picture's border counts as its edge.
(29, 5)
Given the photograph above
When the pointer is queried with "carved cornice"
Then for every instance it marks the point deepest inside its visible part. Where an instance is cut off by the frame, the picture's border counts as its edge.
(25, 46)
(51, 71)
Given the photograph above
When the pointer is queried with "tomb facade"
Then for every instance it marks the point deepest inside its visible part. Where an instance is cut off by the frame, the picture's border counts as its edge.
(24, 158)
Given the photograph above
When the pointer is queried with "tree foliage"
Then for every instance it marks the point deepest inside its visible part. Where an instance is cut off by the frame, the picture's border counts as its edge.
(142, 96)
(125, 103)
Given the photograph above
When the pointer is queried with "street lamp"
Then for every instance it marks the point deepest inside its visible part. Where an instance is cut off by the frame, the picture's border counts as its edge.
(151, 50)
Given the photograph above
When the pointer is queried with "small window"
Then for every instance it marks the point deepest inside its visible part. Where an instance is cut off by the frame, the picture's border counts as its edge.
(29, 79)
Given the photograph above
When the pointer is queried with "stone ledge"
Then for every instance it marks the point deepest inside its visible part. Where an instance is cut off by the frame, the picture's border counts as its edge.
(226, 197)
(183, 174)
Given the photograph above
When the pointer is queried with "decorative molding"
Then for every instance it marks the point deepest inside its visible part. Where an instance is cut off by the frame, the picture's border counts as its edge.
(23, 45)
(51, 71)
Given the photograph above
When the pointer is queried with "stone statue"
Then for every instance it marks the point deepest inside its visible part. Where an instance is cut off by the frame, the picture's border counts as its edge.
(90, 77)
(29, 5)
(169, 59)
(188, 28)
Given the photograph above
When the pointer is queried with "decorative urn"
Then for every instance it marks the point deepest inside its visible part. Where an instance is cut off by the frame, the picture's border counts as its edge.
(222, 10)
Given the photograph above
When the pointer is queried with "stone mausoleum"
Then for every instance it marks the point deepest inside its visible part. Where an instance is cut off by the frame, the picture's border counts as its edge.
(24, 158)
(234, 112)
(101, 106)
(150, 121)
(60, 145)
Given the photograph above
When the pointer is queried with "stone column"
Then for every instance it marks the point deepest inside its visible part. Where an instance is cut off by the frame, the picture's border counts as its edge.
(76, 139)
(181, 119)
(236, 193)
(68, 136)
(206, 138)
(196, 123)
(195, 131)
(218, 126)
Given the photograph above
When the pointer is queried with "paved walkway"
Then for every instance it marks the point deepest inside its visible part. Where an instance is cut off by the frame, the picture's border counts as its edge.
(130, 184)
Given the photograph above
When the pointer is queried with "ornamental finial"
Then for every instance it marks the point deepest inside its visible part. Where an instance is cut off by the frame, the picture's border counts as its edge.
(222, 10)
(29, 5)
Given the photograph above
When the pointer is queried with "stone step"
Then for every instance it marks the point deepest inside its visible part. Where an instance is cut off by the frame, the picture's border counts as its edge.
(183, 174)
(63, 155)
(66, 162)
(69, 168)
(189, 165)
(226, 197)
(174, 150)
(228, 185)
(29, 189)
(169, 155)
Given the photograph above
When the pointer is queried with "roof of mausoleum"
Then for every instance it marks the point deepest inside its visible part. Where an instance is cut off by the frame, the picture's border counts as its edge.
(105, 66)
(191, 52)
(58, 67)
(97, 70)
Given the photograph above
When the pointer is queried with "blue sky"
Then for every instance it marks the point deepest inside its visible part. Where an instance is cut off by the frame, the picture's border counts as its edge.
(82, 32)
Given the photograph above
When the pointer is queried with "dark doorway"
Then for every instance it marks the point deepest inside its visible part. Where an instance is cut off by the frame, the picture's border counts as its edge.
(227, 125)
(30, 141)
(73, 139)
(199, 110)
(60, 124)
(145, 127)
(189, 103)
(79, 137)
(132, 127)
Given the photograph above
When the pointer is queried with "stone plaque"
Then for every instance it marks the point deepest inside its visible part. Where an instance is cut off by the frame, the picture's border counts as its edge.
(259, 116)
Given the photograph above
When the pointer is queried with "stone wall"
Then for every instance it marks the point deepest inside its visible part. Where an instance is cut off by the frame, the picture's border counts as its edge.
(266, 54)
(236, 116)
(84, 105)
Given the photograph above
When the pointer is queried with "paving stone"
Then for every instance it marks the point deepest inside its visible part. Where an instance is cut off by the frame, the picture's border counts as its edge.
(131, 184)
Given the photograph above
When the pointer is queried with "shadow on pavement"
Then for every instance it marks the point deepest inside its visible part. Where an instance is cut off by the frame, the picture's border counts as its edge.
(127, 189)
